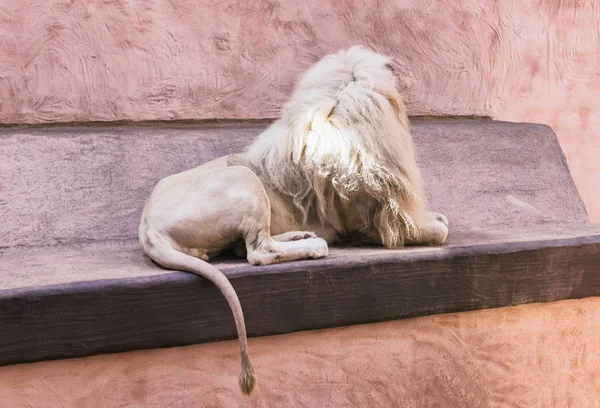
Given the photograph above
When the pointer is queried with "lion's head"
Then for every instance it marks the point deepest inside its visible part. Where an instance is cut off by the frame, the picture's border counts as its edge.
(344, 135)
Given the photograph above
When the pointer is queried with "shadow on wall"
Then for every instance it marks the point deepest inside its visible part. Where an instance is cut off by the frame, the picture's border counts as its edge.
(534, 61)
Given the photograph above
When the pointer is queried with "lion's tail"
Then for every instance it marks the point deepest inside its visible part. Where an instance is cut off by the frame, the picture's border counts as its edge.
(159, 249)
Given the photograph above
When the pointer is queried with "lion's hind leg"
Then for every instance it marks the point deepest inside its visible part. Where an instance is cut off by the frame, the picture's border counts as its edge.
(240, 251)
(254, 207)
(271, 251)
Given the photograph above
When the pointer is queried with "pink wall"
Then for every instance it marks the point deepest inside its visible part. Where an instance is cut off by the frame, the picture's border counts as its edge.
(537, 61)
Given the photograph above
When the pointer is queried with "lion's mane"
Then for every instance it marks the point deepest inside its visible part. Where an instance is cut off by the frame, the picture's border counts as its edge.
(345, 135)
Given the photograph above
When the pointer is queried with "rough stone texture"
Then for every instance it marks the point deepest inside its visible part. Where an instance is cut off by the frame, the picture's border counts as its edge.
(534, 61)
(79, 184)
(528, 356)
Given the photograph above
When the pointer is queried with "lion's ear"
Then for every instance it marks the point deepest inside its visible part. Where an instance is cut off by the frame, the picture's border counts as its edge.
(394, 103)
(397, 106)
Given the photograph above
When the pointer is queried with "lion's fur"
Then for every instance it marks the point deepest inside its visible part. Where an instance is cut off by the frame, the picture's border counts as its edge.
(344, 135)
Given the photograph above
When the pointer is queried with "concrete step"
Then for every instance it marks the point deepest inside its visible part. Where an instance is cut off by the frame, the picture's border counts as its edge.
(74, 282)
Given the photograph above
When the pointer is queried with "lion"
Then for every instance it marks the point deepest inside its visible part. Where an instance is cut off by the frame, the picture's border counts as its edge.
(338, 166)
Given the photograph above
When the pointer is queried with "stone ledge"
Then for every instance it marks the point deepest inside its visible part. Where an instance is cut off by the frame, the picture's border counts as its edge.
(353, 286)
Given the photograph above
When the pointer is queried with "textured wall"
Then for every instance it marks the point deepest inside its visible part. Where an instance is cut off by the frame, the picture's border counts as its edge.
(537, 61)
(532, 356)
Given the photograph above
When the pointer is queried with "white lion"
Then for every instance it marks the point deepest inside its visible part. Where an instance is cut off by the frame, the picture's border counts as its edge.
(339, 165)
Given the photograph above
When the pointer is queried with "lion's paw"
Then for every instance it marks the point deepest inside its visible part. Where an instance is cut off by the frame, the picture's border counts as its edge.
(318, 248)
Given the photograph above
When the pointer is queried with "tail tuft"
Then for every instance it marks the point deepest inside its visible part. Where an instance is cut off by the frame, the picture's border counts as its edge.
(247, 379)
